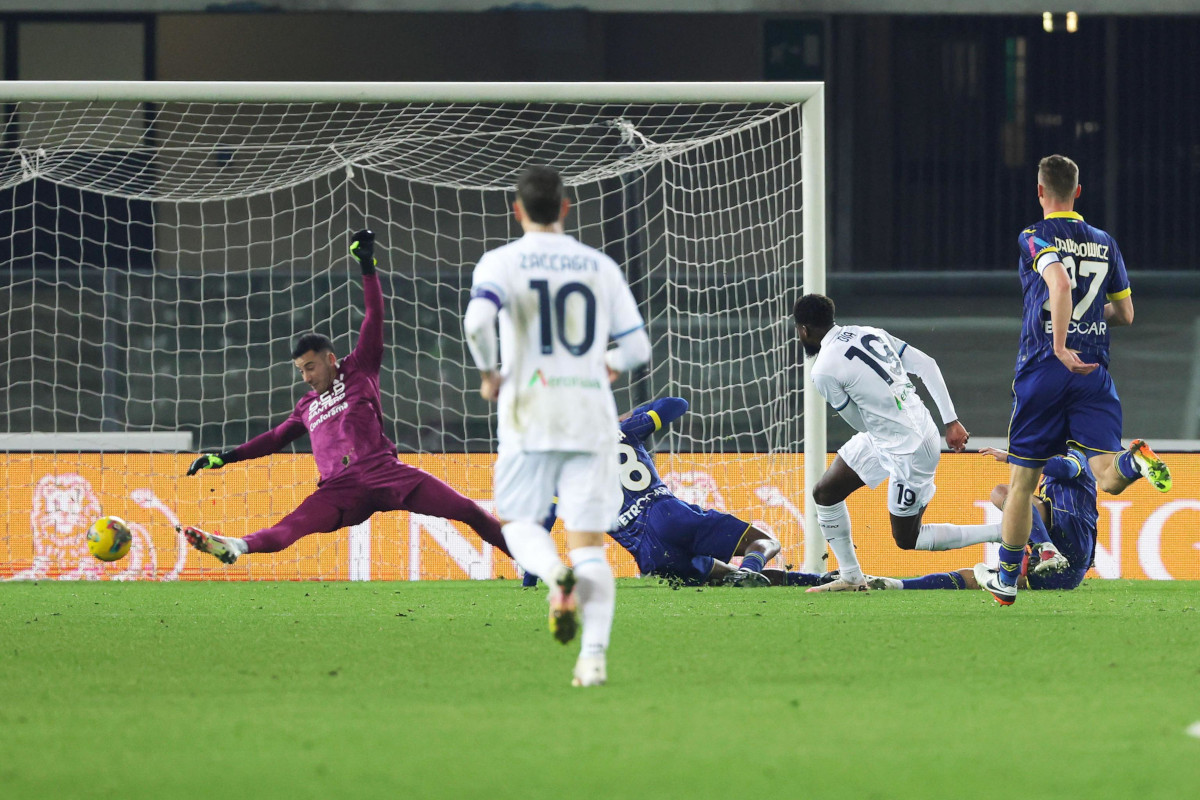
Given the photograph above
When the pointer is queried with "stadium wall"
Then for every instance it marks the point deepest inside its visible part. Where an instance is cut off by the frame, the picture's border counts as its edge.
(53, 498)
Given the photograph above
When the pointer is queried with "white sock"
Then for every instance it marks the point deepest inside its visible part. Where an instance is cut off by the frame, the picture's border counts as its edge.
(948, 536)
(239, 545)
(532, 548)
(596, 594)
(835, 525)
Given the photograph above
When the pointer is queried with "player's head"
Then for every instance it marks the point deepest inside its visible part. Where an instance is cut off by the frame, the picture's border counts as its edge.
(540, 200)
(313, 356)
(1058, 180)
(814, 318)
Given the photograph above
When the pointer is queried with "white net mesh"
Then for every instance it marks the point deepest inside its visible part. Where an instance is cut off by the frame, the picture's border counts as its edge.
(164, 257)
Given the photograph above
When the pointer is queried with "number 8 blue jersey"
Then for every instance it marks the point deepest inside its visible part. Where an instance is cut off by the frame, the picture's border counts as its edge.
(640, 481)
(1097, 273)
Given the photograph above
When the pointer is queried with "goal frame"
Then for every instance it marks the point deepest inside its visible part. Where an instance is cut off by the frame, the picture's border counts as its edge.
(812, 160)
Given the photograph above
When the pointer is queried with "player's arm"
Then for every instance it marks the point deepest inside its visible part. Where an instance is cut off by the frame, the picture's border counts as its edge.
(1119, 308)
(917, 362)
(368, 351)
(1059, 286)
(646, 419)
(479, 326)
(835, 395)
(264, 444)
(628, 328)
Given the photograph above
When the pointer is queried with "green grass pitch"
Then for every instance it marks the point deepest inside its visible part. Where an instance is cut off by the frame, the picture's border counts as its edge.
(456, 690)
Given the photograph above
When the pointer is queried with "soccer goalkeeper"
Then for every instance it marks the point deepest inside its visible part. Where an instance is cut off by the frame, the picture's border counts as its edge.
(343, 416)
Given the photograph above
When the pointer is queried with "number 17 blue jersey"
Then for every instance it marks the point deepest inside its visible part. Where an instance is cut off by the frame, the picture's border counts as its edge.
(1097, 273)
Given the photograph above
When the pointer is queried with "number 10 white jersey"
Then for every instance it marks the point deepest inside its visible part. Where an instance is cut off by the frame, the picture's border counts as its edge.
(862, 365)
(560, 302)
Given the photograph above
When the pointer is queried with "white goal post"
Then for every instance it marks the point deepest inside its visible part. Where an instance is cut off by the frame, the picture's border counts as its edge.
(169, 239)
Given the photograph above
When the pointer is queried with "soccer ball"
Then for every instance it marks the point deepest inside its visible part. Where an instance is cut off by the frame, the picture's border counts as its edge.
(109, 538)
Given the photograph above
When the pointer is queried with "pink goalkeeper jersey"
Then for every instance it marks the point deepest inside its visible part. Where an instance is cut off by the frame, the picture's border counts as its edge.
(345, 423)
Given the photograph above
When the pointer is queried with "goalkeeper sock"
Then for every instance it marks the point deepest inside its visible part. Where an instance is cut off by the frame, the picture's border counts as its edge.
(533, 549)
(948, 536)
(938, 580)
(753, 562)
(835, 525)
(596, 594)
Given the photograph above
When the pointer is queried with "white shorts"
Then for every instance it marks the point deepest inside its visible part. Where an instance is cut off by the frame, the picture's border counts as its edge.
(588, 487)
(909, 476)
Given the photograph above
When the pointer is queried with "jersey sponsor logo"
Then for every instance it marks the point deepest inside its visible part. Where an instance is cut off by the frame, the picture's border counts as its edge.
(1096, 328)
(1082, 249)
(559, 262)
(562, 382)
(332, 402)
(637, 506)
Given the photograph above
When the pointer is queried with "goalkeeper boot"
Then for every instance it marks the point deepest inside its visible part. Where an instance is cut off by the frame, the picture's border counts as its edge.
(746, 579)
(989, 580)
(589, 671)
(223, 547)
(1151, 467)
(841, 585)
(563, 624)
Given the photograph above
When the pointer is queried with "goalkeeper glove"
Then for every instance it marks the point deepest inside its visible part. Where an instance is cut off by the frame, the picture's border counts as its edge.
(211, 461)
(362, 247)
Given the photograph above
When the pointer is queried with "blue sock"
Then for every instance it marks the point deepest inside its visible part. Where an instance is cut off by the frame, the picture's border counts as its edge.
(1038, 533)
(753, 562)
(938, 580)
(529, 580)
(1062, 467)
(1126, 467)
(803, 579)
(1010, 563)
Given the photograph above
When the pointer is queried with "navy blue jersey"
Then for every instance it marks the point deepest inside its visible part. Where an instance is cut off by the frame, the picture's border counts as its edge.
(1097, 273)
(1073, 497)
(640, 481)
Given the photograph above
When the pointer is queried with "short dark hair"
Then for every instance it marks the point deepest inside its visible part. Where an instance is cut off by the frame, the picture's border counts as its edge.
(540, 190)
(317, 342)
(1060, 176)
(815, 311)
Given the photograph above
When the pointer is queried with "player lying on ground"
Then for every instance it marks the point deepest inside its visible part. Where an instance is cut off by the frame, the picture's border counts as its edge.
(1062, 540)
(863, 373)
(343, 416)
(680, 541)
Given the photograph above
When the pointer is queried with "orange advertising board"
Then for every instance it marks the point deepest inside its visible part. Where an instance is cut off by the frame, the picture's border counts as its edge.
(51, 499)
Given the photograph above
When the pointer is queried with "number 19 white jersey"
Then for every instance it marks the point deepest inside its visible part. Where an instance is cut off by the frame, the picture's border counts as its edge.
(560, 302)
(861, 365)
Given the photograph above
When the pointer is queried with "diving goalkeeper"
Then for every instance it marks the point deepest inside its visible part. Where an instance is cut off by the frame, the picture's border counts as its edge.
(343, 416)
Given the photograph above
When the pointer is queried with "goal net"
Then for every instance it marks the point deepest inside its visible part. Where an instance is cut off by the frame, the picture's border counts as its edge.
(166, 243)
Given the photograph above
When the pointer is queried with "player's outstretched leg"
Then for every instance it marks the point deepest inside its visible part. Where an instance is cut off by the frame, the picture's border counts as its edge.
(226, 548)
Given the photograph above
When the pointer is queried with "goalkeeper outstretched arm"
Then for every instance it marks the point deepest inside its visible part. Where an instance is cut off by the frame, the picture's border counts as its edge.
(368, 351)
(264, 444)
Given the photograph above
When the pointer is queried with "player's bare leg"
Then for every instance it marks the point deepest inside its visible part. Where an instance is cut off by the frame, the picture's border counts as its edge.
(596, 591)
(225, 548)
(1117, 471)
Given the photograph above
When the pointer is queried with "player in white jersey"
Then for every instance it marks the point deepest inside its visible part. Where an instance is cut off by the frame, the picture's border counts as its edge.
(559, 303)
(862, 373)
